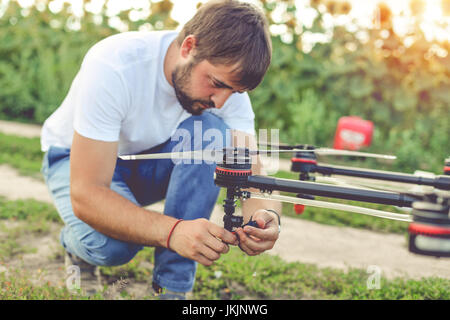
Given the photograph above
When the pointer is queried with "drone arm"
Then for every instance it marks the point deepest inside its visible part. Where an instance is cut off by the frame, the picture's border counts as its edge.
(440, 182)
(316, 189)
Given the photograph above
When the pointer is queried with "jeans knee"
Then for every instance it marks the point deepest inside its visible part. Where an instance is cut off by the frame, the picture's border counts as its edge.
(100, 250)
(118, 253)
(207, 128)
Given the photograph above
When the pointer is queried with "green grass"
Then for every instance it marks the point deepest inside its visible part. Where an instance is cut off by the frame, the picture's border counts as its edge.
(24, 154)
(30, 210)
(269, 277)
(18, 286)
(36, 216)
(235, 276)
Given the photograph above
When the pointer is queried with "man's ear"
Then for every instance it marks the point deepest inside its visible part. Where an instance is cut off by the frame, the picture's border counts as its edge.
(188, 46)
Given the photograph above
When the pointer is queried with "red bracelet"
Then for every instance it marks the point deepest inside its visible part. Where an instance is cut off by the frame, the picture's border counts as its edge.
(170, 233)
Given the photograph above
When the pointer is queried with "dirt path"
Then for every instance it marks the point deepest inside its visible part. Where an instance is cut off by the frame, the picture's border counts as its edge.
(302, 241)
(20, 129)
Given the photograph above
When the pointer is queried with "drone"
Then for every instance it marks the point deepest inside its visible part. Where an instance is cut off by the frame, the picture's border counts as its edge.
(429, 221)
(305, 162)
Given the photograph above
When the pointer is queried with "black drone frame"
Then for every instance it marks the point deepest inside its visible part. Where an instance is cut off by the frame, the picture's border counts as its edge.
(429, 228)
(429, 232)
(306, 163)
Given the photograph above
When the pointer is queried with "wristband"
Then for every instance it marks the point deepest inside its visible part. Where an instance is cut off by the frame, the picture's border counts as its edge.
(279, 220)
(171, 231)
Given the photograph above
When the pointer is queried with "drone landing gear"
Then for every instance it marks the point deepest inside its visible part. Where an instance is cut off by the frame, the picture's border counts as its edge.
(233, 174)
(231, 221)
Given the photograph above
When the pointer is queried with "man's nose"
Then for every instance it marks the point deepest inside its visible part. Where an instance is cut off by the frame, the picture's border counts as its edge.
(219, 97)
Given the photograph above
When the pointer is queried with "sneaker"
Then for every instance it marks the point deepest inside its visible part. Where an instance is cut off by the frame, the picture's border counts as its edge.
(90, 277)
(165, 294)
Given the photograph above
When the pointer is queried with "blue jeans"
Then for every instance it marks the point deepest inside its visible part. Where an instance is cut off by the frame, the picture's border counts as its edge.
(188, 189)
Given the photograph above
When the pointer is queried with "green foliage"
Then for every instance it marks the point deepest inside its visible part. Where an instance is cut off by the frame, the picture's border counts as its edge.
(41, 52)
(37, 64)
(402, 88)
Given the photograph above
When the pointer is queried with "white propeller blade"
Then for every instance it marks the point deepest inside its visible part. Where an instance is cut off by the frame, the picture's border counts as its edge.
(343, 183)
(327, 151)
(334, 206)
(202, 155)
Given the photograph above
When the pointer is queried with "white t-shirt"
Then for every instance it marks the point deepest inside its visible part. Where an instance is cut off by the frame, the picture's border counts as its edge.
(121, 94)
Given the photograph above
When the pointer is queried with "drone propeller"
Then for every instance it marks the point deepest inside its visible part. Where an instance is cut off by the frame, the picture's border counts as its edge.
(206, 155)
(218, 155)
(354, 184)
(331, 152)
(333, 206)
(328, 151)
(212, 155)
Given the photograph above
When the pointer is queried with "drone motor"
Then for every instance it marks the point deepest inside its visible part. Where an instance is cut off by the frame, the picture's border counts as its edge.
(429, 233)
(235, 169)
(304, 162)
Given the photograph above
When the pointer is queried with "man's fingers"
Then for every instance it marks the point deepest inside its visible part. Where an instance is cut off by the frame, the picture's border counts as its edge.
(209, 253)
(217, 245)
(222, 234)
(269, 234)
(250, 246)
(255, 243)
(203, 260)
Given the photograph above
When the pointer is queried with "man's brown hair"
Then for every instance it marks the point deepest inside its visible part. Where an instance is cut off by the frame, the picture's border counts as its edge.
(230, 32)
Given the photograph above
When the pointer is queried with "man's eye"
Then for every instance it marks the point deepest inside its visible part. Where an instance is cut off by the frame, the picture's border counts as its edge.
(218, 85)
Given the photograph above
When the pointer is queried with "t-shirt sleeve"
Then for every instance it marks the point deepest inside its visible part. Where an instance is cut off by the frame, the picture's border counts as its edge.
(101, 101)
(237, 113)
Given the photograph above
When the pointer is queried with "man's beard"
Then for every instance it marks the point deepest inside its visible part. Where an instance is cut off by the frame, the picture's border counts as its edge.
(181, 80)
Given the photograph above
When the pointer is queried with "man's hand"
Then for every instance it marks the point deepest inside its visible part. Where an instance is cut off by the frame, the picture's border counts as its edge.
(254, 241)
(201, 240)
